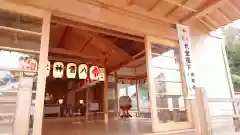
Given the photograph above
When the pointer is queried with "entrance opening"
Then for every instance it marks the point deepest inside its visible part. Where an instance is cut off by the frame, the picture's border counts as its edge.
(77, 104)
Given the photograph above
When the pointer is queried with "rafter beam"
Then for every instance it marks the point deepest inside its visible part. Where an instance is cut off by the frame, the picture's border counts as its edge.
(75, 60)
(224, 15)
(69, 53)
(212, 21)
(154, 5)
(180, 5)
(130, 2)
(127, 61)
(138, 54)
(110, 44)
(61, 42)
(109, 18)
(233, 7)
(136, 66)
(97, 29)
(210, 28)
(203, 10)
(86, 43)
(174, 9)
(125, 11)
(142, 76)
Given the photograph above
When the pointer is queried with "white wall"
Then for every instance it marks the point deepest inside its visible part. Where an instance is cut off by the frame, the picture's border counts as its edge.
(211, 74)
(208, 61)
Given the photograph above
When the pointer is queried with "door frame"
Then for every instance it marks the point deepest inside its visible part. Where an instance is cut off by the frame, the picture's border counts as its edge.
(149, 40)
(43, 55)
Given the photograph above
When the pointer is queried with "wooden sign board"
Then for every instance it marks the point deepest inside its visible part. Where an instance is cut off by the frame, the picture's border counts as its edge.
(186, 51)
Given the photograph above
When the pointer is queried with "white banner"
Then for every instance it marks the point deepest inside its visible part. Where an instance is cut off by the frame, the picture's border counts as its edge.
(185, 48)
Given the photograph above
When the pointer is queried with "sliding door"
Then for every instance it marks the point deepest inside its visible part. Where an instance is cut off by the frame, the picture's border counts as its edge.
(169, 107)
(24, 38)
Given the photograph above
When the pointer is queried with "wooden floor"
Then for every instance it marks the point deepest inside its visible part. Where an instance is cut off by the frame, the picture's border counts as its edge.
(67, 126)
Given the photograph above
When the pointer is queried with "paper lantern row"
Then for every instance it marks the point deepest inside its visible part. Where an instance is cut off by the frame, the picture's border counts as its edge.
(95, 73)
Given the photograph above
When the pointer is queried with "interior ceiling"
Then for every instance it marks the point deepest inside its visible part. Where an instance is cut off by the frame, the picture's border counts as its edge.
(130, 47)
(203, 15)
(81, 43)
(74, 44)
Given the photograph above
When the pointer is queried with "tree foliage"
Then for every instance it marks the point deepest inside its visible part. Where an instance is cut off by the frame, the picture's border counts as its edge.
(232, 46)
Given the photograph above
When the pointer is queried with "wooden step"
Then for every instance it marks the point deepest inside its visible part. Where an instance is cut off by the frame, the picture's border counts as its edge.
(8, 99)
(8, 108)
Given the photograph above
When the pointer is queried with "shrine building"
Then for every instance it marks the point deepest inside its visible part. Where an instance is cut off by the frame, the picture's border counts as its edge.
(64, 65)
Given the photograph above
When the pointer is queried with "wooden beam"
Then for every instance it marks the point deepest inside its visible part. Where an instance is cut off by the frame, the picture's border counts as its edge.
(110, 44)
(105, 43)
(116, 94)
(121, 64)
(105, 95)
(75, 60)
(130, 2)
(136, 77)
(61, 42)
(204, 10)
(109, 53)
(175, 8)
(136, 66)
(224, 15)
(154, 5)
(210, 28)
(166, 42)
(138, 96)
(214, 23)
(109, 18)
(112, 7)
(72, 53)
(233, 7)
(180, 5)
(85, 44)
(95, 29)
(139, 54)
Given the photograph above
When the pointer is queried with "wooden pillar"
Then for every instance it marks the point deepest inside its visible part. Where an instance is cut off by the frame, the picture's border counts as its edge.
(41, 80)
(202, 116)
(116, 95)
(105, 97)
(87, 105)
(138, 97)
(151, 85)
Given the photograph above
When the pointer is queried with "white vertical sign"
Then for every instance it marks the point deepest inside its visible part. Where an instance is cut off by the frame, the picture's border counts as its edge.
(71, 70)
(48, 68)
(58, 69)
(82, 71)
(185, 48)
(101, 74)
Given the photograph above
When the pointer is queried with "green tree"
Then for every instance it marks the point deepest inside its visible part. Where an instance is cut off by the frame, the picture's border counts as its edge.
(232, 46)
